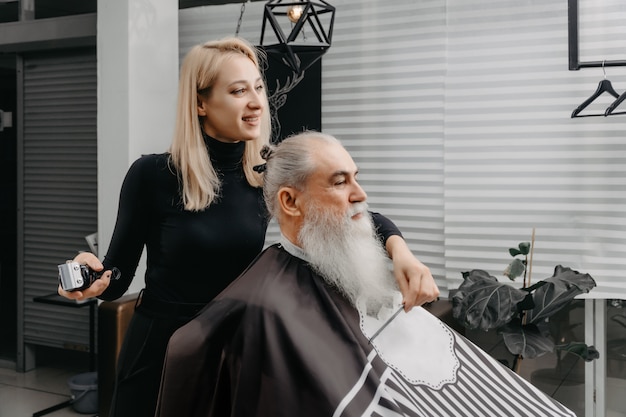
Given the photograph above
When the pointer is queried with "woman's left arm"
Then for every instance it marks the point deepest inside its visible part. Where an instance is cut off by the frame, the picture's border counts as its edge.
(414, 279)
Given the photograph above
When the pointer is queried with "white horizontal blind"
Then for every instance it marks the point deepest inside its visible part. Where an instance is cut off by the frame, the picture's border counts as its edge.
(201, 24)
(382, 95)
(458, 114)
(602, 32)
(514, 159)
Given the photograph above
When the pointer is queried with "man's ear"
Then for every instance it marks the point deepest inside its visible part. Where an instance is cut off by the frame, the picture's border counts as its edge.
(288, 201)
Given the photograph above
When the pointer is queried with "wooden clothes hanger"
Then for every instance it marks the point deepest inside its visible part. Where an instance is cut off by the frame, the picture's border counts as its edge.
(604, 86)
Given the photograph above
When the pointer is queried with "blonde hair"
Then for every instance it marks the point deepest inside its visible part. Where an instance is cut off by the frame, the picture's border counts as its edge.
(200, 68)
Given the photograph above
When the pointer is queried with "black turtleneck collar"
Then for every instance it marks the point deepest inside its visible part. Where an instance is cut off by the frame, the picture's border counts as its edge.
(224, 154)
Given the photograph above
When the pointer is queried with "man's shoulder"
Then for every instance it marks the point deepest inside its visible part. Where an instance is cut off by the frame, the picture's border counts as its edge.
(271, 264)
(273, 275)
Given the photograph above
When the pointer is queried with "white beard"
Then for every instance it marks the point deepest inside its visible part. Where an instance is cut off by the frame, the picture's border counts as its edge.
(349, 256)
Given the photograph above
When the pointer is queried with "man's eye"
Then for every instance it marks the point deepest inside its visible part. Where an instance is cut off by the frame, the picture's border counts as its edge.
(259, 87)
(239, 91)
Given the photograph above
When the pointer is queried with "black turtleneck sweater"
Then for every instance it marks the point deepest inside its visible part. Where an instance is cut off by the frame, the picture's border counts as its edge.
(191, 256)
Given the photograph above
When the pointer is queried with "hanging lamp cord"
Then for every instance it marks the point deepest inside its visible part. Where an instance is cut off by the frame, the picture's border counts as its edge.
(243, 9)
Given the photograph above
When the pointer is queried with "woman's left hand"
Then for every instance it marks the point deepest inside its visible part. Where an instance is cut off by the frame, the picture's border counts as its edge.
(414, 279)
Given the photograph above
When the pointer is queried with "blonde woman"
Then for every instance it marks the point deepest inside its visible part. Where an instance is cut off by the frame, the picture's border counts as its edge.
(198, 209)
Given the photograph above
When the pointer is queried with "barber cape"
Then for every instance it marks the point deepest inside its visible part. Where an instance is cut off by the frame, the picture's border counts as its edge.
(280, 342)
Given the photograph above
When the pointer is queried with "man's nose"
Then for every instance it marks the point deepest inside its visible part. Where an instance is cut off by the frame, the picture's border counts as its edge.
(358, 194)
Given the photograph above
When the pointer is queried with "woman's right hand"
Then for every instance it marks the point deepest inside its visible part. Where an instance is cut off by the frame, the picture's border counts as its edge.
(98, 286)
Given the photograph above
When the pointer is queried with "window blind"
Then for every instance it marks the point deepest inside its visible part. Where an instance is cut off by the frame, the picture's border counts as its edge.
(458, 115)
(514, 158)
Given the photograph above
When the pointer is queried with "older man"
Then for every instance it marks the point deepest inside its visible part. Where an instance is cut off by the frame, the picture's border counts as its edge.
(315, 327)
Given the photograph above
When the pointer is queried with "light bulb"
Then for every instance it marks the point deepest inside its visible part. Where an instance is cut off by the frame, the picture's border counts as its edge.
(294, 13)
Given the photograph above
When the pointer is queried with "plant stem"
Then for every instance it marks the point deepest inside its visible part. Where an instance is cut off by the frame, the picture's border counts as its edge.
(530, 260)
(527, 280)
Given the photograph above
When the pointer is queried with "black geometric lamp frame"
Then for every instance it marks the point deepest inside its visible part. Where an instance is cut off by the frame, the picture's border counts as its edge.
(293, 46)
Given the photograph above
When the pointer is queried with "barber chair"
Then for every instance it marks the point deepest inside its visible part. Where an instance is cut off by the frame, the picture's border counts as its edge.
(113, 320)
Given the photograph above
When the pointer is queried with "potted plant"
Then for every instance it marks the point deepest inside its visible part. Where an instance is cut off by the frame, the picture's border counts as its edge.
(521, 315)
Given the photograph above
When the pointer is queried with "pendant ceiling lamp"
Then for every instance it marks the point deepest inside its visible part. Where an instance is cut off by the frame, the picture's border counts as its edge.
(301, 31)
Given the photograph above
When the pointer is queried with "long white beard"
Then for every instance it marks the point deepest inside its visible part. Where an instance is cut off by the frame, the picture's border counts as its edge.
(349, 256)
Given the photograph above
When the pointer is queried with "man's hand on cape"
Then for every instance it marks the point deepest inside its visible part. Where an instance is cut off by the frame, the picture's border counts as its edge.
(415, 281)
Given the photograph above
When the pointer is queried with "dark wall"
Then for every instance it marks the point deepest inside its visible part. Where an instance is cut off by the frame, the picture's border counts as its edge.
(300, 108)
(8, 213)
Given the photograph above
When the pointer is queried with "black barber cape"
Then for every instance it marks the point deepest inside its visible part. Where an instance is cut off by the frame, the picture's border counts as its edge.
(280, 342)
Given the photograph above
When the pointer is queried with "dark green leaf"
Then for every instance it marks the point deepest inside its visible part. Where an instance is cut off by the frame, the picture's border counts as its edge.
(588, 353)
(524, 248)
(535, 286)
(559, 290)
(526, 341)
(527, 303)
(515, 269)
(482, 302)
(514, 252)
